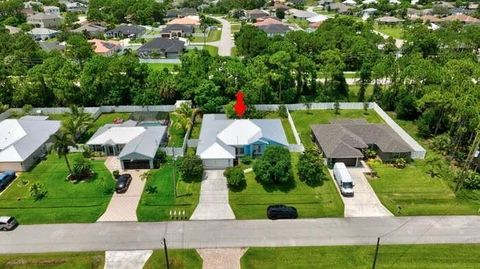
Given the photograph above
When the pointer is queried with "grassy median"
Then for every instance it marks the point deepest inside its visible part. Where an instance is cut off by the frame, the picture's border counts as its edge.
(389, 256)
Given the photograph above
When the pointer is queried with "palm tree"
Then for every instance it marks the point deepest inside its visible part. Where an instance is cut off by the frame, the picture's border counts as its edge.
(185, 115)
(77, 122)
(61, 142)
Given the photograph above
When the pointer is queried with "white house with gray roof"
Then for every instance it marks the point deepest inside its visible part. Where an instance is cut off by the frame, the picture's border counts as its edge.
(222, 141)
(135, 145)
(23, 141)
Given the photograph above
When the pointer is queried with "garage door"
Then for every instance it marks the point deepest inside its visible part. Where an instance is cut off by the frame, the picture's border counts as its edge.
(217, 163)
(346, 161)
(136, 164)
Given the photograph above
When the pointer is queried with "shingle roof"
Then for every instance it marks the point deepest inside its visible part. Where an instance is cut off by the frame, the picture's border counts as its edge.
(163, 44)
(344, 138)
(43, 16)
(178, 27)
(274, 28)
(126, 29)
(90, 27)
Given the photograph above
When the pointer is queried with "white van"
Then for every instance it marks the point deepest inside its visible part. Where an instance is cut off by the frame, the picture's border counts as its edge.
(343, 178)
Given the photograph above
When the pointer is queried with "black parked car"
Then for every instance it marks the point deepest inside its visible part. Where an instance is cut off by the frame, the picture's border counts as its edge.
(123, 182)
(282, 212)
(5, 179)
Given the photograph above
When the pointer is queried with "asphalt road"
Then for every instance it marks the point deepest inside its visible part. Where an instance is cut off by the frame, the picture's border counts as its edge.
(237, 233)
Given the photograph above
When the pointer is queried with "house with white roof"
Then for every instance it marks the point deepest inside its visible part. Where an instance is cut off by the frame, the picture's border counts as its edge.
(135, 145)
(23, 141)
(222, 141)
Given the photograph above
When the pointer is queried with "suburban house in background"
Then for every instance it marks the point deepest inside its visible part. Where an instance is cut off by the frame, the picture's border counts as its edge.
(126, 30)
(52, 10)
(177, 30)
(161, 48)
(42, 33)
(345, 140)
(222, 141)
(44, 20)
(255, 14)
(92, 29)
(272, 26)
(135, 145)
(23, 141)
(105, 48)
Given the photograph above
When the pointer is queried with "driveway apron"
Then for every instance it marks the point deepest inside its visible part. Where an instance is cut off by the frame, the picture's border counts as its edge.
(365, 202)
(123, 206)
(213, 203)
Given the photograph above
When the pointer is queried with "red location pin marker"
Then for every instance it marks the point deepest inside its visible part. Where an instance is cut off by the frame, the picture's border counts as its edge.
(240, 106)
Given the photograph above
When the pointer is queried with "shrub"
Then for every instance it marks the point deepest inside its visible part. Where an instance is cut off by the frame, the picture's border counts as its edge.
(400, 163)
(87, 152)
(37, 191)
(336, 107)
(160, 158)
(370, 153)
(274, 166)
(235, 176)
(310, 167)
(116, 174)
(442, 142)
(151, 189)
(247, 160)
(472, 180)
(191, 167)
(82, 169)
(282, 111)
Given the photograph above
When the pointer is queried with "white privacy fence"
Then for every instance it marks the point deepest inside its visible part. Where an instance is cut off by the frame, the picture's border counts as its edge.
(418, 151)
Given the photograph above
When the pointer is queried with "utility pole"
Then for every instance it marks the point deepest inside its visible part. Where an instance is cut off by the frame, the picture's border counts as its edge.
(174, 174)
(167, 262)
(376, 253)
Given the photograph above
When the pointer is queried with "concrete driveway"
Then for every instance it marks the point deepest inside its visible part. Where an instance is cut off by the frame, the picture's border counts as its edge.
(123, 207)
(365, 202)
(213, 203)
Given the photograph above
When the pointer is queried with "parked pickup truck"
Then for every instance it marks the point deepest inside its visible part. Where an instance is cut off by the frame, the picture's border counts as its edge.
(343, 179)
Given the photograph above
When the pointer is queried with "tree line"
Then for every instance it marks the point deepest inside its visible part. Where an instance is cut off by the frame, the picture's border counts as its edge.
(433, 79)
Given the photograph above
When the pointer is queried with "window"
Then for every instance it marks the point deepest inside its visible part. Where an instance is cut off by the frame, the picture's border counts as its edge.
(240, 151)
(257, 149)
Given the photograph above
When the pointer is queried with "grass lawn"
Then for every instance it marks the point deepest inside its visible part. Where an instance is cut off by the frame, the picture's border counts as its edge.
(235, 28)
(353, 92)
(212, 49)
(105, 118)
(286, 126)
(234, 51)
(389, 256)
(304, 24)
(395, 31)
(93, 260)
(161, 66)
(179, 259)
(65, 201)
(303, 119)
(417, 193)
(195, 133)
(59, 117)
(311, 202)
(157, 206)
(176, 134)
(212, 36)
